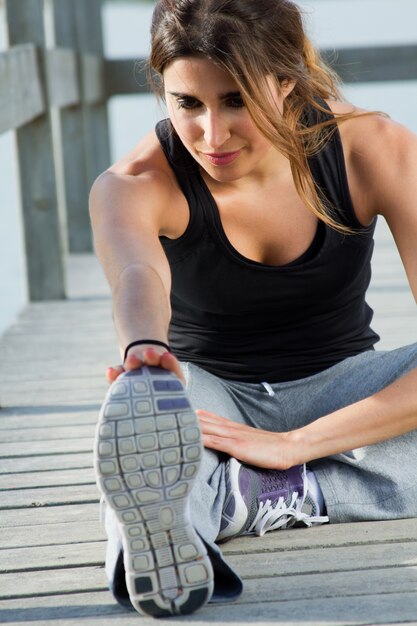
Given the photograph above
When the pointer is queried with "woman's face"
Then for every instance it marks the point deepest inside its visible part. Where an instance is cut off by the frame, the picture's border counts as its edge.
(210, 118)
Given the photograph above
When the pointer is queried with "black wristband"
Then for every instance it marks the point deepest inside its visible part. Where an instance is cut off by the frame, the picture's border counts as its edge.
(141, 341)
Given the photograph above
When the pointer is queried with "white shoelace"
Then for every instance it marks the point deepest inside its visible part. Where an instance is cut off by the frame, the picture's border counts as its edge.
(274, 515)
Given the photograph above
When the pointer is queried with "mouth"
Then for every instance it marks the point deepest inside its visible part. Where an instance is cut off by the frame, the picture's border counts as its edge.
(221, 158)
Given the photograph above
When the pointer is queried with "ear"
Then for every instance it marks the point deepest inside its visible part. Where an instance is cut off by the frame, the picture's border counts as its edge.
(287, 86)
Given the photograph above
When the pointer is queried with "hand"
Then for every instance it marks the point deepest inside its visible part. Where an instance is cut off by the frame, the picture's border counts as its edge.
(154, 356)
(254, 446)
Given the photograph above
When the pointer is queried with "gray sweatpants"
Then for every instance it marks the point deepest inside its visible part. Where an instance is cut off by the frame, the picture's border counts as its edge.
(376, 482)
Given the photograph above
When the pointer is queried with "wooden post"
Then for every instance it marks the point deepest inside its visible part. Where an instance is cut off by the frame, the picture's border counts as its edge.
(44, 251)
(74, 150)
(90, 44)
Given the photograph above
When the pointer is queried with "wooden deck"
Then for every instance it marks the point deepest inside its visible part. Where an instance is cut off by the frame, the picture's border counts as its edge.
(52, 544)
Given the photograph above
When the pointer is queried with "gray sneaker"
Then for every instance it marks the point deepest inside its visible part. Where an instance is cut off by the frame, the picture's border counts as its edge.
(147, 453)
(259, 500)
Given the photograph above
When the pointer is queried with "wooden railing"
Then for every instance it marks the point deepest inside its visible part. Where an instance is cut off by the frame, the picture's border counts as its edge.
(55, 94)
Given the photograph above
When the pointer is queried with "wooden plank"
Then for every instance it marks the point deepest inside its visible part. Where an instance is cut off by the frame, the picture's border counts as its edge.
(90, 42)
(374, 64)
(48, 462)
(44, 516)
(286, 588)
(336, 535)
(87, 367)
(100, 607)
(125, 76)
(53, 534)
(322, 561)
(54, 557)
(37, 420)
(74, 146)
(47, 582)
(354, 65)
(52, 433)
(61, 66)
(53, 478)
(44, 250)
(93, 78)
(21, 94)
(45, 397)
(34, 448)
(54, 609)
(325, 560)
(61, 385)
(49, 496)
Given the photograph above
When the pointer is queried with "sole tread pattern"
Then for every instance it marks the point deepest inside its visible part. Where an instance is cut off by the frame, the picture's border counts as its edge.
(147, 453)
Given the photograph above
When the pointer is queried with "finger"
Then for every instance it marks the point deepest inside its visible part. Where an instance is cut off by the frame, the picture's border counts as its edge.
(206, 417)
(227, 429)
(132, 362)
(113, 372)
(169, 362)
(151, 357)
(229, 446)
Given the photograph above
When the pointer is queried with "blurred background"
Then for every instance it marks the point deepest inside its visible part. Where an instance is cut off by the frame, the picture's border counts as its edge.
(331, 23)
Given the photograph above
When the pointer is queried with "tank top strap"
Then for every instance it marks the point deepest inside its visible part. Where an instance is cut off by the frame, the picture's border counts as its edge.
(187, 173)
(328, 169)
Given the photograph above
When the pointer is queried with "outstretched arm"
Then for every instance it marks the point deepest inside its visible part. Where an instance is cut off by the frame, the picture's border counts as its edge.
(128, 212)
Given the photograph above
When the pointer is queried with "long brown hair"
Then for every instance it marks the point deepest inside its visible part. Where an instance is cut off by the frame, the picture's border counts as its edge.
(253, 40)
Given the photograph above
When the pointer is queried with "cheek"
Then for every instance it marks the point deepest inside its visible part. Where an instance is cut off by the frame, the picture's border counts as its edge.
(246, 128)
(186, 129)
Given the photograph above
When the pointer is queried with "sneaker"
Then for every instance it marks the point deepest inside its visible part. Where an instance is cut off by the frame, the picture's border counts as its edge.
(147, 453)
(260, 500)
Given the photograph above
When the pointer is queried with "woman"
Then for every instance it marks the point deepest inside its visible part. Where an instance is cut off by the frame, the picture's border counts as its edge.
(241, 232)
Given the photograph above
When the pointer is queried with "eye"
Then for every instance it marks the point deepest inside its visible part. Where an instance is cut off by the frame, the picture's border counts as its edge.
(187, 102)
(235, 101)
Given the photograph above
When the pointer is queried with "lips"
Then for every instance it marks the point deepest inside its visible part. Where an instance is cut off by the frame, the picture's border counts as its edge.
(222, 158)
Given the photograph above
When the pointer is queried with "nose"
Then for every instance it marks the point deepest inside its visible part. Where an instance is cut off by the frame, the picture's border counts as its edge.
(216, 130)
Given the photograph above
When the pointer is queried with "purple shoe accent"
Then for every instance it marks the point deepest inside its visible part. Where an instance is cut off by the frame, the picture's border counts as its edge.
(173, 404)
(231, 507)
(167, 385)
(275, 484)
(258, 500)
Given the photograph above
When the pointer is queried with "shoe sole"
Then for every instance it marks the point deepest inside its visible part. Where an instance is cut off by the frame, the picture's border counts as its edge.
(235, 511)
(147, 454)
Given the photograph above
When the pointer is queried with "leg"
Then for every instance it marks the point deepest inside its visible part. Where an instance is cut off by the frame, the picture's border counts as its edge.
(237, 495)
(210, 393)
(372, 483)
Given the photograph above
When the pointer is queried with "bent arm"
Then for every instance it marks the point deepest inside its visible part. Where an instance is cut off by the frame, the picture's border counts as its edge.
(384, 166)
(387, 414)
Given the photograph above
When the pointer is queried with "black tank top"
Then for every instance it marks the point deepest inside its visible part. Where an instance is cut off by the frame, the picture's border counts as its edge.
(247, 321)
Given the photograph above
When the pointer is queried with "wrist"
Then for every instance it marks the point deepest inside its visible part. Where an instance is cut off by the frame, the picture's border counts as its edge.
(144, 343)
(298, 448)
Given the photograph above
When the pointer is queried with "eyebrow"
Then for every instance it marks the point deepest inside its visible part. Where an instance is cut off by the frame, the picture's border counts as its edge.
(222, 96)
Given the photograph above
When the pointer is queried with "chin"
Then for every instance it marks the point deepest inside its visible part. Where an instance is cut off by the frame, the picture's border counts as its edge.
(221, 175)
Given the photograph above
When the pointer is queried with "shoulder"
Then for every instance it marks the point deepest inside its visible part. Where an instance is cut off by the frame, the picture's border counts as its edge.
(381, 159)
(141, 183)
